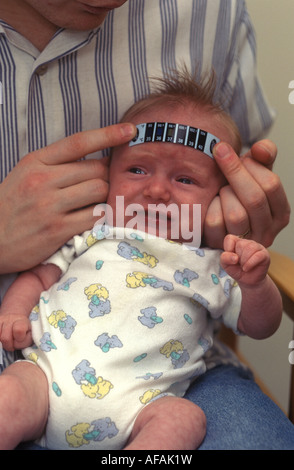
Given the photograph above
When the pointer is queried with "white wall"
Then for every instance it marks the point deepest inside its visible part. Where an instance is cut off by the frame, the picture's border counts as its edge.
(274, 26)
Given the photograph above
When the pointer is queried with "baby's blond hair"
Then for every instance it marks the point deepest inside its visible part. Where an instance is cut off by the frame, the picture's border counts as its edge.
(180, 88)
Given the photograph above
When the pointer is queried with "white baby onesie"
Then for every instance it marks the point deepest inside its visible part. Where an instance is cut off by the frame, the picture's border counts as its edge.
(128, 322)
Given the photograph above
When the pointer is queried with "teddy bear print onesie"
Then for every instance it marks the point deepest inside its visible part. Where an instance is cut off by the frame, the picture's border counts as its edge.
(128, 323)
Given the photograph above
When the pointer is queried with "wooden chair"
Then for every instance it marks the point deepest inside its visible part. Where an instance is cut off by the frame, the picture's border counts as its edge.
(282, 272)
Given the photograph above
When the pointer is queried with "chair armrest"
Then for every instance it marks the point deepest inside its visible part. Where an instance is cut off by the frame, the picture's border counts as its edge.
(282, 273)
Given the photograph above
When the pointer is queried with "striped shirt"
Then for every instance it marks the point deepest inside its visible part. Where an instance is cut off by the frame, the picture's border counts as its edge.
(85, 80)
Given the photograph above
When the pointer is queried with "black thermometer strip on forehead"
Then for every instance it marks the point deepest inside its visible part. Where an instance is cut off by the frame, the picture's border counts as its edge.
(188, 136)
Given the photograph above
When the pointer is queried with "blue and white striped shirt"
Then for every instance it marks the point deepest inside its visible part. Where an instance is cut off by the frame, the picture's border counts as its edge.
(85, 80)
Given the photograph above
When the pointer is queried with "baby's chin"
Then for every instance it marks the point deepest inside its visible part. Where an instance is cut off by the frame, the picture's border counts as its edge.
(162, 225)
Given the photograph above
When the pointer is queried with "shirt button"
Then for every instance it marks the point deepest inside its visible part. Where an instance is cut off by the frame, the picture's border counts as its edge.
(42, 69)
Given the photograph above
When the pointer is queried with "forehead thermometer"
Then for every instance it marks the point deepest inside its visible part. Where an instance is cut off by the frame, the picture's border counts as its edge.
(188, 136)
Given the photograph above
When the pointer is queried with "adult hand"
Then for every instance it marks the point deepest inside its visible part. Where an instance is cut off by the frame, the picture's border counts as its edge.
(254, 203)
(49, 196)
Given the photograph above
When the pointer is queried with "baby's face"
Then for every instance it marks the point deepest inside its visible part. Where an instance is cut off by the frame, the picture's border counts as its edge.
(158, 175)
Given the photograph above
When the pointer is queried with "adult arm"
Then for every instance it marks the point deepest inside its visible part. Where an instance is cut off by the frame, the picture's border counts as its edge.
(49, 196)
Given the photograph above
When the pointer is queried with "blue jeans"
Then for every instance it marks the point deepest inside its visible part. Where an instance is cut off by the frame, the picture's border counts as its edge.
(239, 416)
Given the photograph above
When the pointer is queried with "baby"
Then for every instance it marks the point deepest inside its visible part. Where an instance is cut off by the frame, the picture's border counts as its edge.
(124, 317)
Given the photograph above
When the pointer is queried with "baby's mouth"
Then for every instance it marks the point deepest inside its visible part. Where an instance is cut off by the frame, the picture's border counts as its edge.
(157, 216)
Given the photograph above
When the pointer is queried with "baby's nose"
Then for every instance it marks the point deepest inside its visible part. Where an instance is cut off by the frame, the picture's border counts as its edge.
(158, 189)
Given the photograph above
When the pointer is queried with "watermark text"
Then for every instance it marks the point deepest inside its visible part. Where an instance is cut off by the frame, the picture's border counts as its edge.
(173, 222)
(291, 355)
(291, 94)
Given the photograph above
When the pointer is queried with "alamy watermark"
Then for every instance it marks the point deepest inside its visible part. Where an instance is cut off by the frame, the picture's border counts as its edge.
(291, 355)
(157, 220)
(291, 94)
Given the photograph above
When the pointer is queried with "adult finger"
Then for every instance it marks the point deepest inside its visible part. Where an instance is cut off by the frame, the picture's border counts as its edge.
(74, 222)
(82, 195)
(84, 170)
(246, 188)
(78, 145)
(236, 219)
(264, 151)
(214, 229)
(274, 191)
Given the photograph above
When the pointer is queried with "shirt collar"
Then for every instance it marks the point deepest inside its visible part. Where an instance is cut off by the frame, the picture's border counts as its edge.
(62, 43)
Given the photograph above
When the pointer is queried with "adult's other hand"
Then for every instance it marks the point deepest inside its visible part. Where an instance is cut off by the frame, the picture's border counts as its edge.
(254, 203)
(50, 195)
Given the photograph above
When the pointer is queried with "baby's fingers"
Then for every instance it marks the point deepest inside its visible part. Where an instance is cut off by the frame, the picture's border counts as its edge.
(259, 258)
(22, 336)
(6, 338)
(229, 259)
(230, 242)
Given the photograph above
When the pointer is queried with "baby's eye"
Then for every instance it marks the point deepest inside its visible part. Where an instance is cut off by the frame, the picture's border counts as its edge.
(136, 170)
(185, 180)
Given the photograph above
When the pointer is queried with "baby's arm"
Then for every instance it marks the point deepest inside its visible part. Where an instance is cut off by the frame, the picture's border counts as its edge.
(247, 262)
(20, 299)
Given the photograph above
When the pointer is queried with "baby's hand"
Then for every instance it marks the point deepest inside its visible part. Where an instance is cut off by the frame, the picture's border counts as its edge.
(246, 261)
(15, 332)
